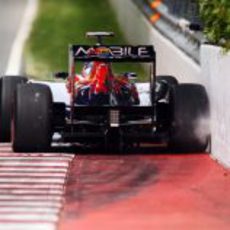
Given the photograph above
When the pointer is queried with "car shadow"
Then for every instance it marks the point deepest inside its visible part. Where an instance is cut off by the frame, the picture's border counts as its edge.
(100, 150)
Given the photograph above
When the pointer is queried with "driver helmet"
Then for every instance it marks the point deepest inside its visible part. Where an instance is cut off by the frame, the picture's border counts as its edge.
(87, 69)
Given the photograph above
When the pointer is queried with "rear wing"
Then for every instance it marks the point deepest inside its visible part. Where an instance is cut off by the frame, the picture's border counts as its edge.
(112, 53)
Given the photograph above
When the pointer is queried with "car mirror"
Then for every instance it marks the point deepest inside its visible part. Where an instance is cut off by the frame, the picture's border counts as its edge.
(61, 75)
(131, 75)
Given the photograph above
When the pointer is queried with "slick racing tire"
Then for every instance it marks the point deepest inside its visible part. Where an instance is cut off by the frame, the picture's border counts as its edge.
(164, 83)
(170, 80)
(8, 85)
(31, 125)
(190, 115)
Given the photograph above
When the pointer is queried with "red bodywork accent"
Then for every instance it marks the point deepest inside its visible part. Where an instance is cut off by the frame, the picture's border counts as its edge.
(100, 79)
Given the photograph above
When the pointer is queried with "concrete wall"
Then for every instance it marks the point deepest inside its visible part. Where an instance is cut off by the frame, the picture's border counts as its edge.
(214, 72)
(138, 30)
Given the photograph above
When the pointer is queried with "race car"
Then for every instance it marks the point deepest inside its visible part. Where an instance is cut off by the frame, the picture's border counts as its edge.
(104, 107)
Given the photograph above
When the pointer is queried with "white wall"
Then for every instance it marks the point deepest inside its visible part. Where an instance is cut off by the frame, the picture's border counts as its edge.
(214, 72)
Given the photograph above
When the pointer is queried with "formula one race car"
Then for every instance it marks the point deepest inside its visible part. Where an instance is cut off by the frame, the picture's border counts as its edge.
(104, 106)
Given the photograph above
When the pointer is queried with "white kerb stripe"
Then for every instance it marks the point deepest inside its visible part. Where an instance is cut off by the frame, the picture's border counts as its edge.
(29, 217)
(28, 226)
(34, 169)
(17, 185)
(9, 153)
(15, 209)
(32, 180)
(32, 174)
(21, 191)
(33, 158)
(36, 163)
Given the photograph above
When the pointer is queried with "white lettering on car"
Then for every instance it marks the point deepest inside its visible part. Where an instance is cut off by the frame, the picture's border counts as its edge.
(115, 51)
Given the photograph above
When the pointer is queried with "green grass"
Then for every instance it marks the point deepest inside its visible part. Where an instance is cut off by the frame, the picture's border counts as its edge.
(63, 22)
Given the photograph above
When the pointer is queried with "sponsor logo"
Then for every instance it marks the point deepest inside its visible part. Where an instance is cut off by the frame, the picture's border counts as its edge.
(114, 51)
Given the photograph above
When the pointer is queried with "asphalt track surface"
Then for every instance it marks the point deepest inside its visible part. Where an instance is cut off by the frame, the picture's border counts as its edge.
(11, 12)
(153, 191)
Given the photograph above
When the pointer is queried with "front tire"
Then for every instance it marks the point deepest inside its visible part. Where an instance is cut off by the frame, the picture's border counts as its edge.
(31, 125)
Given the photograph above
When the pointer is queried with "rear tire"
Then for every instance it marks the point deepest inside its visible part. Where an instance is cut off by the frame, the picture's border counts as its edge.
(8, 85)
(170, 80)
(190, 115)
(31, 125)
